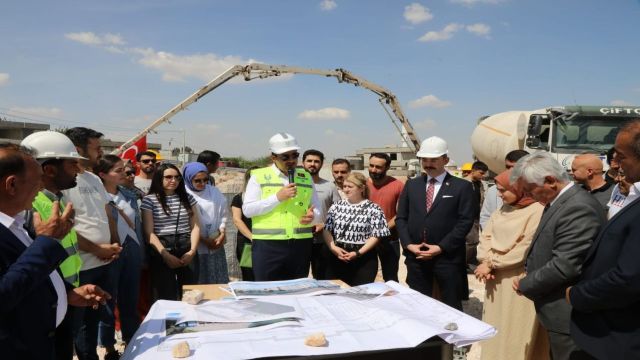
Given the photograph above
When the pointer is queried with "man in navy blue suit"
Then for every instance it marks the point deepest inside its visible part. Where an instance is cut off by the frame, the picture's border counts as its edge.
(606, 301)
(33, 296)
(435, 213)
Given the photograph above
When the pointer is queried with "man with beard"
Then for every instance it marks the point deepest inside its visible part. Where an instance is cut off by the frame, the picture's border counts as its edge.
(59, 160)
(146, 161)
(385, 191)
(281, 201)
(312, 161)
(340, 169)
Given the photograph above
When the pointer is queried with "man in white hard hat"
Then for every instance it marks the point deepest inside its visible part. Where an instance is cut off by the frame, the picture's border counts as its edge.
(59, 161)
(282, 203)
(435, 212)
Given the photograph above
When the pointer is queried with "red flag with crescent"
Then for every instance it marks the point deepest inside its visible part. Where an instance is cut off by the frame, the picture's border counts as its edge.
(138, 146)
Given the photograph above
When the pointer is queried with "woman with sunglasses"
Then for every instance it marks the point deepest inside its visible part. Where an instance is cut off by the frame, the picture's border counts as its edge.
(170, 218)
(129, 181)
(213, 214)
(351, 232)
(126, 269)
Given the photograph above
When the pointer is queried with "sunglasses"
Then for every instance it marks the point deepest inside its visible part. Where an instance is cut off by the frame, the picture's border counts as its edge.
(147, 161)
(284, 157)
(172, 177)
(129, 173)
(200, 181)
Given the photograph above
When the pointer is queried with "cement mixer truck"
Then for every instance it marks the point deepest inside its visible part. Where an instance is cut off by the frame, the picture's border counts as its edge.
(563, 131)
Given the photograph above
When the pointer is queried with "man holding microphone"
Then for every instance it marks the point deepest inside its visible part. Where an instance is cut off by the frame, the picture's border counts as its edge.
(282, 203)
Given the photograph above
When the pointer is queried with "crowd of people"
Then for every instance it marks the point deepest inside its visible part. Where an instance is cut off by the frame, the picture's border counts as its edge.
(84, 238)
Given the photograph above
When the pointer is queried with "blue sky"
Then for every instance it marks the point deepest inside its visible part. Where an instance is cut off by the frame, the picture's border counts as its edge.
(117, 65)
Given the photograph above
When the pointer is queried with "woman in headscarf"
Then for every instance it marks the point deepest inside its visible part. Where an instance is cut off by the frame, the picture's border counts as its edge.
(502, 251)
(213, 217)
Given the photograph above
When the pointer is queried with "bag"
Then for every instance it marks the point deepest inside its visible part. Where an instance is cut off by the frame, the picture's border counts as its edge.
(176, 244)
(245, 259)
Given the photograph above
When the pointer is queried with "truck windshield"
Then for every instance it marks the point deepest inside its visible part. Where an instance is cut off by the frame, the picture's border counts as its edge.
(586, 133)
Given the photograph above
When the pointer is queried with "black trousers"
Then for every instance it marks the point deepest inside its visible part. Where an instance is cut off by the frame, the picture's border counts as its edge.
(562, 347)
(388, 250)
(166, 283)
(449, 276)
(362, 270)
(64, 336)
(281, 259)
(319, 260)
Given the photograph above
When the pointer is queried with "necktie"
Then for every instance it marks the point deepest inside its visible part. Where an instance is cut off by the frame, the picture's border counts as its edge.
(430, 191)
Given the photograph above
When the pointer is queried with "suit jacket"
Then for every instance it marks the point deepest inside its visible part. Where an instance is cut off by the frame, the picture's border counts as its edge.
(606, 301)
(447, 223)
(559, 247)
(28, 299)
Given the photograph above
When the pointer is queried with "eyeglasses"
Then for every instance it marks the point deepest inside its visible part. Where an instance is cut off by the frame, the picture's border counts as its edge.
(200, 181)
(129, 173)
(285, 157)
(147, 161)
(172, 177)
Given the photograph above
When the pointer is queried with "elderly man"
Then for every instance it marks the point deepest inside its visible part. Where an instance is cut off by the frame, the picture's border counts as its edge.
(606, 300)
(435, 212)
(282, 203)
(587, 171)
(33, 296)
(570, 222)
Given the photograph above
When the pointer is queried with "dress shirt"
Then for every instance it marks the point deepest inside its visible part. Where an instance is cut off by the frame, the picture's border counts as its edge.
(438, 184)
(634, 193)
(253, 205)
(16, 226)
(564, 189)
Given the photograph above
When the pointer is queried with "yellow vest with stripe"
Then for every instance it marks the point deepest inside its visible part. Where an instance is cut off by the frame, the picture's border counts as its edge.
(70, 267)
(283, 222)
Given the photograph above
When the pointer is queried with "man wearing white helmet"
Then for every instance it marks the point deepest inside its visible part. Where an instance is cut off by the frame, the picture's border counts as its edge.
(283, 205)
(59, 160)
(435, 213)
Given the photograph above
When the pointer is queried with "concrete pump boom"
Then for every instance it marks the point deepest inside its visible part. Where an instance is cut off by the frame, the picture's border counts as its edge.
(263, 71)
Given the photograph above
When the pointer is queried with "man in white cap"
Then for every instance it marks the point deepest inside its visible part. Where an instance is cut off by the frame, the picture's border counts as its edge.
(282, 203)
(435, 213)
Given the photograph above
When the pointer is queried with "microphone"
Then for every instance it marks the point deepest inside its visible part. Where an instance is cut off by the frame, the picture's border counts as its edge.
(291, 172)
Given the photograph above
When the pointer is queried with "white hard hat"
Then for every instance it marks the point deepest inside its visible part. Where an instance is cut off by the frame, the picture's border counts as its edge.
(432, 147)
(51, 145)
(281, 143)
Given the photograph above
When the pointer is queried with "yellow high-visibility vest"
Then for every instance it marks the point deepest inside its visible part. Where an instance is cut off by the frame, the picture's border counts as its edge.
(283, 222)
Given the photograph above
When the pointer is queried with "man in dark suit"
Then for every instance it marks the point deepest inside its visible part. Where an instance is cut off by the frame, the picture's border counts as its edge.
(33, 296)
(435, 213)
(606, 301)
(570, 222)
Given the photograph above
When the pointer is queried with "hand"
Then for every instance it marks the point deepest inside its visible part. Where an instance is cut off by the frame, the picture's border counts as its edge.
(350, 256)
(418, 250)
(567, 295)
(286, 192)
(516, 285)
(108, 252)
(483, 272)
(318, 228)
(219, 241)
(307, 218)
(171, 261)
(58, 226)
(87, 295)
(339, 252)
(187, 257)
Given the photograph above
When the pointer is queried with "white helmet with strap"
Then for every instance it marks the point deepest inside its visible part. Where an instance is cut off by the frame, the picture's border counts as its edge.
(51, 145)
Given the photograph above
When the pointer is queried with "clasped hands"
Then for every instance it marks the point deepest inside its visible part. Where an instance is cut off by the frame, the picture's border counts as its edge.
(342, 254)
(425, 251)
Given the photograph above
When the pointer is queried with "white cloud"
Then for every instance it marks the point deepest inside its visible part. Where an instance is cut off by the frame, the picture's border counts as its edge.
(619, 102)
(442, 35)
(53, 112)
(427, 124)
(430, 100)
(330, 113)
(416, 13)
(475, 2)
(181, 67)
(89, 38)
(328, 5)
(479, 29)
(4, 79)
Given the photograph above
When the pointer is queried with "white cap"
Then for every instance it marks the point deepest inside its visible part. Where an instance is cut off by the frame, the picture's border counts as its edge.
(51, 145)
(432, 147)
(281, 143)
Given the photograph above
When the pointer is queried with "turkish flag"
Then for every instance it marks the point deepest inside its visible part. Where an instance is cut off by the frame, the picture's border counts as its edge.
(138, 146)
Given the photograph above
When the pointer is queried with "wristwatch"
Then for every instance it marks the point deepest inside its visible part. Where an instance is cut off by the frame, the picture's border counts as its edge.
(358, 253)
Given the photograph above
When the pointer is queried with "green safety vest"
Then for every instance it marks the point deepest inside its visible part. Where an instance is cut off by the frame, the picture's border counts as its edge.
(70, 267)
(283, 222)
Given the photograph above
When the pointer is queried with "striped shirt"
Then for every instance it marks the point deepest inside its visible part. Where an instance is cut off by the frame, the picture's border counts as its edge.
(164, 224)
